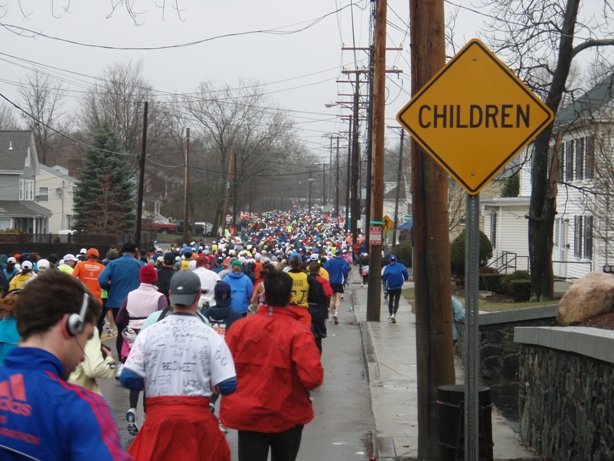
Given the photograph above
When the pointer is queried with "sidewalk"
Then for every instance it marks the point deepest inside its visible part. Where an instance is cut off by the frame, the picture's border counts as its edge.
(390, 354)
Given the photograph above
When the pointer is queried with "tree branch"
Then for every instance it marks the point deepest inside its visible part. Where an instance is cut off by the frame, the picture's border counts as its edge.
(592, 44)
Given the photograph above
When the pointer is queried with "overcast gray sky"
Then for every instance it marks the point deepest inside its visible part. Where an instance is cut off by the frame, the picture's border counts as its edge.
(294, 47)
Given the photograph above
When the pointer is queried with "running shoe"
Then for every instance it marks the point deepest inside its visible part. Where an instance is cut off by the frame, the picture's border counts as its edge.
(336, 318)
(118, 373)
(133, 427)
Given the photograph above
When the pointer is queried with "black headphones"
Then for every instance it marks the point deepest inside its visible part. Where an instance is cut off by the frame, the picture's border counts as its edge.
(76, 322)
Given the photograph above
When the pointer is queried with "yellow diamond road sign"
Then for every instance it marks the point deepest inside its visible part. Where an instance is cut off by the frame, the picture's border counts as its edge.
(474, 116)
(387, 223)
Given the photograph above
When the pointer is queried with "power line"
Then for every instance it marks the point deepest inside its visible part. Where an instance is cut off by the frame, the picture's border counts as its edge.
(277, 31)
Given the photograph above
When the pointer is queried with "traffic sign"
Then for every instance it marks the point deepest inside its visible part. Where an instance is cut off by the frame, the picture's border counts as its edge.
(408, 218)
(474, 116)
(388, 224)
(375, 235)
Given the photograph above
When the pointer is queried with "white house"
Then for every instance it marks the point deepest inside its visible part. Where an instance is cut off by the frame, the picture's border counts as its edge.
(55, 191)
(18, 170)
(585, 183)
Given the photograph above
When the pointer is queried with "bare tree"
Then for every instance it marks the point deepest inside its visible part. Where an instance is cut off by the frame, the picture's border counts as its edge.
(244, 119)
(119, 100)
(537, 40)
(8, 121)
(43, 99)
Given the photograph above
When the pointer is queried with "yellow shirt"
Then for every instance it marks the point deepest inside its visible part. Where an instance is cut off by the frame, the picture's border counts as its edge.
(19, 281)
(300, 288)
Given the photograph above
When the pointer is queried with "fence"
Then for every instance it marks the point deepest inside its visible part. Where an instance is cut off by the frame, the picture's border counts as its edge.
(61, 244)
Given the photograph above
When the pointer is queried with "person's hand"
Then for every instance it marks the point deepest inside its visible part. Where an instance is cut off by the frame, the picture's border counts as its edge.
(106, 351)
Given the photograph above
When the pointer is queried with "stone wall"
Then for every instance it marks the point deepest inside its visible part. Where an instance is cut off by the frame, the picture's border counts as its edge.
(566, 396)
(498, 351)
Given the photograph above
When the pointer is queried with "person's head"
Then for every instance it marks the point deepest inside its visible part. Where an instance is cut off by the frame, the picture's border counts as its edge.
(222, 293)
(9, 303)
(128, 248)
(169, 259)
(26, 267)
(296, 261)
(53, 260)
(70, 260)
(314, 267)
(278, 289)
(42, 265)
(236, 266)
(267, 268)
(202, 261)
(92, 254)
(392, 259)
(56, 312)
(111, 255)
(10, 263)
(148, 274)
(185, 290)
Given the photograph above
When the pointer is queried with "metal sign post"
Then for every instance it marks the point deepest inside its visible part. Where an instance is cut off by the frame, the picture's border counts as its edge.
(473, 117)
(472, 342)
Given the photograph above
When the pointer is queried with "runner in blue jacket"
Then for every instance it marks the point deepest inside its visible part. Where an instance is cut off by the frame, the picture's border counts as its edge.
(338, 270)
(42, 417)
(395, 274)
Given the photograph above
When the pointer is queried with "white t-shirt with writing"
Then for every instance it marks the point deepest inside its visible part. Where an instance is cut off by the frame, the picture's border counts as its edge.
(180, 355)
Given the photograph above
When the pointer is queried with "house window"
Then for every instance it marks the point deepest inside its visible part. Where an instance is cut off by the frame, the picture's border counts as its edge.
(588, 237)
(27, 157)
(579, 150)
(590, 158)
(26, 189)
(583, 237)
(43, 194)
(493, 229)
(569, 161)
(577, 241)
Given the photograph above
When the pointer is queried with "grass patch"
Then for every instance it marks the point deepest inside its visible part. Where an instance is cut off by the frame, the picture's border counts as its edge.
(485, 305)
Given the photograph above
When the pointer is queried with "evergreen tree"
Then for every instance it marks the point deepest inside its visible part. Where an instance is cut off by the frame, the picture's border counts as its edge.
(511, 187)
(104, 199)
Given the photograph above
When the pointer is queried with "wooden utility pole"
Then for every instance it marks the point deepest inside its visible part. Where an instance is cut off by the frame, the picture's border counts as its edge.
(139, 200)
(355, 204)
(398, 194)
(431, 238)
(374, 290)
(186, 189)
(230, 170)
(337, 181)
(235, 184)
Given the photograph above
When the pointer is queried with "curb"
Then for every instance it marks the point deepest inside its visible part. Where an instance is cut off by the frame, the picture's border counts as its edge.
(384, 446)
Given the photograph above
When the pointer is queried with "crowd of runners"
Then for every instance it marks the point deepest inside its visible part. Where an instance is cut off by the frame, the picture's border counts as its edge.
(193, 322)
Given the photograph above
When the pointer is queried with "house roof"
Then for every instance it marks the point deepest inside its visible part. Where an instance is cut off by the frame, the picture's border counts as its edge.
(23, 209)
(13, 150)
(56, 171)
(587, 104)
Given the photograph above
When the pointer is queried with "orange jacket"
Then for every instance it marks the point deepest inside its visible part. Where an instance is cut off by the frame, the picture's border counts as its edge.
(88, 271)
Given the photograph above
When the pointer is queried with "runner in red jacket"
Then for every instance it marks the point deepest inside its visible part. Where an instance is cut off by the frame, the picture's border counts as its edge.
(277, 364)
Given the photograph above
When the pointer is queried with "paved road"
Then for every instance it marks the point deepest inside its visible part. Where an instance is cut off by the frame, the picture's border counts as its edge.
(343, 426)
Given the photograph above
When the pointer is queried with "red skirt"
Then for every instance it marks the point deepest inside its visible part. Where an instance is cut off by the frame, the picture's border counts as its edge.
(179, 428)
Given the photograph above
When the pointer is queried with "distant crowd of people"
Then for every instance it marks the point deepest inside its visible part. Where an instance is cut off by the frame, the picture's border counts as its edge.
(241, 317)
